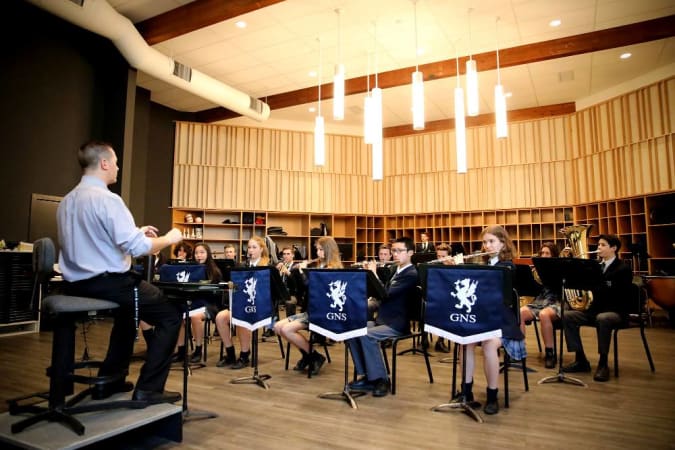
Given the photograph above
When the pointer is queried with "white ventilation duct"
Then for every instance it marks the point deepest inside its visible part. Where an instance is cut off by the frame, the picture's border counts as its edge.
(101, 18)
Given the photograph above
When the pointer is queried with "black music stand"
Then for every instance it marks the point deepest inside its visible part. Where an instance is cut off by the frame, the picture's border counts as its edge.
(568, 273)
(359, 310)
(255, 377)
(489, 298)
(184, 293)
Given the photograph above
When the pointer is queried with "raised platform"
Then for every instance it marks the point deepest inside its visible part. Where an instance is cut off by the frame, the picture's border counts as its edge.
(163, 420)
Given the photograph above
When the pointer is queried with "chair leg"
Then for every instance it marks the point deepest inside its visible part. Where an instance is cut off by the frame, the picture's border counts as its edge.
(281, 347)
(507, 361)
(425, 349)
(616, 353)
(536, 333)
(394, 344)
(288, 354)
(454, 368)
(646, 346)
(525, 380)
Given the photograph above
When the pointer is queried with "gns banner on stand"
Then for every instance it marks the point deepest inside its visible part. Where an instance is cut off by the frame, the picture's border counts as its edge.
(252, 297)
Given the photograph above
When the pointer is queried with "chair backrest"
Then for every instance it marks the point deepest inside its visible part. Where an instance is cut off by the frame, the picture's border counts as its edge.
(44, 257)
(415, 305)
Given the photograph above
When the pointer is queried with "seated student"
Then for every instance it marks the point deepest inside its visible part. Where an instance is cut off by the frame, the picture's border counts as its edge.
(230, 252)
(443, 253)
(284, 267)
(545, 307)
(498, 244)
(182, 251)
(610, 307)
(329, 258)
(258, 256)
(385, 269)
(392, 320)
(203, 255)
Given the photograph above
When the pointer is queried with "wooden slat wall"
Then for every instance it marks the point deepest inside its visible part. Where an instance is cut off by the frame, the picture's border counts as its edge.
(620, 148)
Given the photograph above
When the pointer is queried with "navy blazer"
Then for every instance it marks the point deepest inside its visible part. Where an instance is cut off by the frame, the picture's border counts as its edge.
(613, 294)
(401, 289)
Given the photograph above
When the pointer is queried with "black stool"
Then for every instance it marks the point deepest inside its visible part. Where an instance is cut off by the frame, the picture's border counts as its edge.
(65, 311)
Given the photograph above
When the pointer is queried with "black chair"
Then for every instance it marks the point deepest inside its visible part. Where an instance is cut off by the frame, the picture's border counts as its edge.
(637, 317)
(65, 311)
(417, 335)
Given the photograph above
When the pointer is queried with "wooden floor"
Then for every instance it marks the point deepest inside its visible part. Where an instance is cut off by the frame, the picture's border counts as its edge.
(636, 410)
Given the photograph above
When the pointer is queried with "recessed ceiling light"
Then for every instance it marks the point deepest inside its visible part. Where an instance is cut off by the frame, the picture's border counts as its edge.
(240, 24)
(555, 23)
(626, 55)
(312, 73)
(312, 109)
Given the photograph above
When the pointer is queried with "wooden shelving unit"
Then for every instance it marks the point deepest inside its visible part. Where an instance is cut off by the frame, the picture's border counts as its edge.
(640, 222)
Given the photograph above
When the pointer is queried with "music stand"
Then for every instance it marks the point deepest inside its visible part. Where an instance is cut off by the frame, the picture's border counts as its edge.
(184, 292)
(351, 305)
(486, 288)
(568, 273)
(251, 308)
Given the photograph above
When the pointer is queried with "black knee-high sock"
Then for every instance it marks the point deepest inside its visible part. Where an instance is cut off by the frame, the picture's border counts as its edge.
(230, 354)
(244, 355)
(581, 356)
(549, 351)
(468, 391)
(603, 360)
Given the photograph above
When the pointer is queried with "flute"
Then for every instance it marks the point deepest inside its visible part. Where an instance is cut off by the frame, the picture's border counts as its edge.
(378, 263)
(459, 258)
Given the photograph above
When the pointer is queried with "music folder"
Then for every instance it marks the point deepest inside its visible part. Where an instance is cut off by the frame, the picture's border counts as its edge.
(465, 303)
(577, 273)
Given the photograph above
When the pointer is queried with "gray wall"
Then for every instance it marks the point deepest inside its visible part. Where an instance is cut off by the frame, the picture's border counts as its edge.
(61, 86)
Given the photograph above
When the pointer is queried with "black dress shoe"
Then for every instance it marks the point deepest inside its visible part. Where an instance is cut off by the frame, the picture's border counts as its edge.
(491, 407)
(577, 367)
(317, 362)
(601, 374)
(301, 364)
(240, 364)
(152, 397)
(460, 398)
(225, 361)
(196, 358)
(380, 387)
(101, 391)
(362, 384)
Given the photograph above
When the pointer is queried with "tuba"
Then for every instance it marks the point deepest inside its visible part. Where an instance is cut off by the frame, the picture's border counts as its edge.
(577, 236)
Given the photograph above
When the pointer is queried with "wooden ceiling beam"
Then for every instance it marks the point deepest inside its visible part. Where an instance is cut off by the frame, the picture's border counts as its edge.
(195, 15)
(516, 115)
(636, 33)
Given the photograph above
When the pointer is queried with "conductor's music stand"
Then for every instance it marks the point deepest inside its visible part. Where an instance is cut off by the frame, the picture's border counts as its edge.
(464, 305)
(184, 292)
(338, 309)
(251, 308)
(568, 273)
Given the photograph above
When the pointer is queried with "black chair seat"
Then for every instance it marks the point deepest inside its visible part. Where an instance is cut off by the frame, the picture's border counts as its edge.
(59, 304)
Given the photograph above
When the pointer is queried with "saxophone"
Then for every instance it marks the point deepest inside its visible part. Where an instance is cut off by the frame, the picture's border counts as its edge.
(577, 236)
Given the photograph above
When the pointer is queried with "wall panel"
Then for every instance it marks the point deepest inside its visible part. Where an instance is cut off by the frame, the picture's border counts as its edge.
(619, 148)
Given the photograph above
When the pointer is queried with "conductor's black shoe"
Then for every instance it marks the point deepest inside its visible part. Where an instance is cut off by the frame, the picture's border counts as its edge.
(225, 361)
(101, 391)
(549, 361)
(380, 387)
(491, 407)
(317, 362)
(362, 384)
(601, 374)
(240, 364)
(152, 397)
(577, 367)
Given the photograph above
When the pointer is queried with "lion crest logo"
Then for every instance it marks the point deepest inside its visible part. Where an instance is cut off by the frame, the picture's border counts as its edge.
(337, 294)
(250, 289)
(465, 292)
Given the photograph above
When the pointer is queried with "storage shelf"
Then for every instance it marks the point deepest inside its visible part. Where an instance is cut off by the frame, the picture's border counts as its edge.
(638, 221)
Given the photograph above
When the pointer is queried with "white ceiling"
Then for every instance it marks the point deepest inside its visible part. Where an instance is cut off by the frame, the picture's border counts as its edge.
(279, 47)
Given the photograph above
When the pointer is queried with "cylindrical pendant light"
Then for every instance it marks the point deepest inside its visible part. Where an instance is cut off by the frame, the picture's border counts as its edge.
(339, 80)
